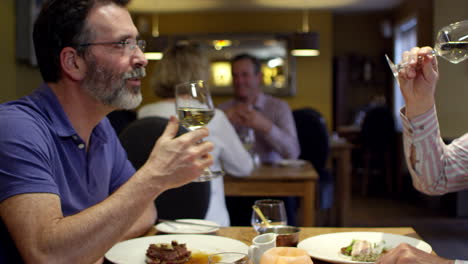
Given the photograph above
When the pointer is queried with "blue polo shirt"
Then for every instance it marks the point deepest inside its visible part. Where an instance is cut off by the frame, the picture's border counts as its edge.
(40, 152)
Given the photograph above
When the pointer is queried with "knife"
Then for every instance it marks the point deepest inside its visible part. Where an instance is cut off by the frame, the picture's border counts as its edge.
(187, 223)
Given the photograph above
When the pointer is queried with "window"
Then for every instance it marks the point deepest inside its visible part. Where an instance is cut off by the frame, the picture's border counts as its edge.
(405, 39)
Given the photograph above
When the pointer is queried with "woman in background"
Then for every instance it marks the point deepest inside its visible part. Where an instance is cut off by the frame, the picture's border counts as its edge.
(183, 63)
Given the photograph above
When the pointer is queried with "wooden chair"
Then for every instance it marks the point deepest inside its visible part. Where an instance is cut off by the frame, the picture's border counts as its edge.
(378, 142)
(315, 147)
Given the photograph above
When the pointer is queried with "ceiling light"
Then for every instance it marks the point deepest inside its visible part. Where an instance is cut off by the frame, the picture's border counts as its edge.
(153, 55)
(157, 44)
(221, 43)
(275, 62)
(305, 43)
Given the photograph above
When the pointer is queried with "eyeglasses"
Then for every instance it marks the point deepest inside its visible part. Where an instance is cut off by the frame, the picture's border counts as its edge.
(128, 45)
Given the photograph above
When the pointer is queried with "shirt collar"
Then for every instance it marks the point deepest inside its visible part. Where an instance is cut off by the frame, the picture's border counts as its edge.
(48, 101)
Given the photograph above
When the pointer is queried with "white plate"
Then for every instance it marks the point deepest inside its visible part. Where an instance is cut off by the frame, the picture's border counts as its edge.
(292, 162)
(176, 228)
(327, 247)
(133, 251)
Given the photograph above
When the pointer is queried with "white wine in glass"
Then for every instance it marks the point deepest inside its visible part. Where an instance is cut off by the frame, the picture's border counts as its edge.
(451, 44)
(194, 118)
(195, 109)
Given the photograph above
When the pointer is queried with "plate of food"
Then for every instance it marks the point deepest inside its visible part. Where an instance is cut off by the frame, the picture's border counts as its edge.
(356, 247)
(188, 226)
(142, 250)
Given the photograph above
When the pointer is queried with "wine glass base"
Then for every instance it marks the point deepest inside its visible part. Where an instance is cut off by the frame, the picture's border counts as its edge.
(392, 65)
(208, 175)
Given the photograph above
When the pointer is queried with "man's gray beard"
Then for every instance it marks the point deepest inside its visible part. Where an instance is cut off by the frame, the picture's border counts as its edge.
(110, 89)
(124, 99)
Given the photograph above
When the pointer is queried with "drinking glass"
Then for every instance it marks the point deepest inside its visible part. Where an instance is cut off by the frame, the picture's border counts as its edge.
(247, 137)
(274, 212)
(229, 258)
(451, 44)
(195, 109)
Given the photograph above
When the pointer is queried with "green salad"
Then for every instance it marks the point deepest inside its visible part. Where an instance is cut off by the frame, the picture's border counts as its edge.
(363, 250)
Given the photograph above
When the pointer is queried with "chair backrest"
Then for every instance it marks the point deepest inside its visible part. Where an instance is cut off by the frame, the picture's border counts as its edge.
(120, 119)
(315, 147)
(378, 131)
(188, 201)
(313, 136)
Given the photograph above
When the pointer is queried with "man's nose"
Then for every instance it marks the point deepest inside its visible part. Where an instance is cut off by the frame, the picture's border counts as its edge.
(139, 59)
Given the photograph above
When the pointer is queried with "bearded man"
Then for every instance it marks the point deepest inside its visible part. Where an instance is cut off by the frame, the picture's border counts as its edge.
(67, 190)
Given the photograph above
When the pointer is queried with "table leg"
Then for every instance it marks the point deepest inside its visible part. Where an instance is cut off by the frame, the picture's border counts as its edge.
(308, 204)
(343, 184)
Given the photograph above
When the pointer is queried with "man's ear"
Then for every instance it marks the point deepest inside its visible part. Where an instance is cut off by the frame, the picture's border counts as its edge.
(72, 64)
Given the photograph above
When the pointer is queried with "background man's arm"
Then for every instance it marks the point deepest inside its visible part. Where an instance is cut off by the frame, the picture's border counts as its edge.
(280, 133)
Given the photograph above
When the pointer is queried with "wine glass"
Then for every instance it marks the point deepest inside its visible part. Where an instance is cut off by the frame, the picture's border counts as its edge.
(274, 212)
(451, 44)
(247, 137)
(195, 109)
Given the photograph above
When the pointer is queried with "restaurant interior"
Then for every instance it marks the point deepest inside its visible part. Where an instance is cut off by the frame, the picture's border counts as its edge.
(347, 75)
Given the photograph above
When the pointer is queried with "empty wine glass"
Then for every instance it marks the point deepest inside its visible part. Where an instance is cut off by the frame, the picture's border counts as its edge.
(195, 109)
(274, 212)
(451, 44)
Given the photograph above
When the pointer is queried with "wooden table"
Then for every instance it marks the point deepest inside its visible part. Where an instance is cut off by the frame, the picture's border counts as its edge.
(245, 234)
(350, 133)
(341, 155)
(270, 180)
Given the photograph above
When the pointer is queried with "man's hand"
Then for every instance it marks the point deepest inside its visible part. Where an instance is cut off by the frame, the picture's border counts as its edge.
(244, 115)
(418, 80)
(177, 161)
(406, 254)
(257, 121)
(236, 114)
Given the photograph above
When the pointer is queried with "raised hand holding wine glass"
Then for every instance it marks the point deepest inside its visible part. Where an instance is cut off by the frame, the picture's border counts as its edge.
(195, 109)
(451, 44)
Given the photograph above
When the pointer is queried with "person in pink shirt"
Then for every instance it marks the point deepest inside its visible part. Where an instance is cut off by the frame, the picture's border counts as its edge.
(270, 118)
(435, 168)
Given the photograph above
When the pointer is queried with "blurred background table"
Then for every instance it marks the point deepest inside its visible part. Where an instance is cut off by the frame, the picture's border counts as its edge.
(279, 181)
